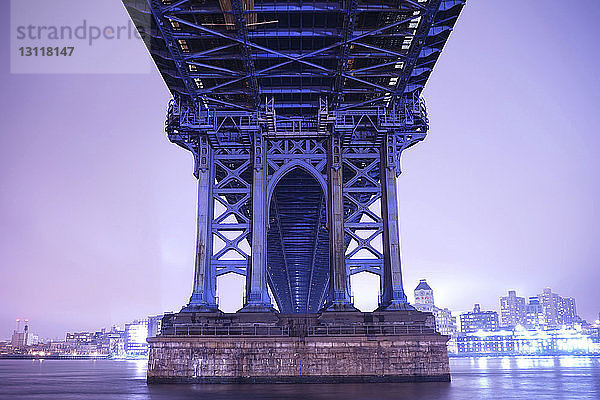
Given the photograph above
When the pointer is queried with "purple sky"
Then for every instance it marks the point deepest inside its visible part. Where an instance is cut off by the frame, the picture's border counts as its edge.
(97, 208)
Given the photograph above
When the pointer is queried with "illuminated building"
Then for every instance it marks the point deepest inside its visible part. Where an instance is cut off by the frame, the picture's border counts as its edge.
(479, 320)
(512, 310)
(558, 311)
(445, 323)
(136, 334)
(5, 347)
(32, 340)
(526, 342)
(534, 314)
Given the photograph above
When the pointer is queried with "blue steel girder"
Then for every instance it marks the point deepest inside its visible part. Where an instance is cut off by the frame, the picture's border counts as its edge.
(408, 122)
(231, 222)
(418, 42)
(342, 66)
(363, 224)
(349, 50)
(241, 29)
(302, 6)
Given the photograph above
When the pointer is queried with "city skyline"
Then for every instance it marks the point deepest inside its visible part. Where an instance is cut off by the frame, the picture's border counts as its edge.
(98, 214)
(439, 309)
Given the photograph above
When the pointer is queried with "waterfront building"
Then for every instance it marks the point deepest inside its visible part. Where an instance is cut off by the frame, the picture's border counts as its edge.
(80, 338)
(82, 343)
(527, 342)
(136, 334)
(512, 310)
(445, 323)
(112, 343)
(558, 311)
(479, 320)
(154, 325)
(5, 347)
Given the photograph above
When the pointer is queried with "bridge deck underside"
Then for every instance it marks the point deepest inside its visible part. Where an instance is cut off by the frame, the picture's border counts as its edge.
(236, 54)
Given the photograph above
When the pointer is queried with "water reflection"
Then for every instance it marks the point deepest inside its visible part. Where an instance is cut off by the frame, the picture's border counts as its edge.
(140, 367)
(472, 378)
(305, 392)
(482, 363)
(572, 361)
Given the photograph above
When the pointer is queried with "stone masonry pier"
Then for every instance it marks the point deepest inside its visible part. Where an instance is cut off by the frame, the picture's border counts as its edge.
(395, 346)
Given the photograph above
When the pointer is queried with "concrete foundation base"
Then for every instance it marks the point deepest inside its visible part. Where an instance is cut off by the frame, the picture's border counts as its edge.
(326, 348)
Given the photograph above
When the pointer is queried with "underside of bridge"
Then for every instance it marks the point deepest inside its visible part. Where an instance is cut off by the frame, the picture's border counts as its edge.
(296, 113)
(298, 244)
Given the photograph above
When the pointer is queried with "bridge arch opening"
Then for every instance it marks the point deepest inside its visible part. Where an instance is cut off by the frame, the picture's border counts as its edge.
(298, 243)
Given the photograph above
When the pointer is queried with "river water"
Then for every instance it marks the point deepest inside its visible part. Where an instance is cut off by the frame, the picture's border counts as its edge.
(472, 379)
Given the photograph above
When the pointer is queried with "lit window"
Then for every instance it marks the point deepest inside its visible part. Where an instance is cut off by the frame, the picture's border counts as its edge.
(184, 46)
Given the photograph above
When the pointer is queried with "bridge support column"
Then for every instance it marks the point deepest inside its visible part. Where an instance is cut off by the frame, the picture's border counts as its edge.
(339, 285)
(393, 296)
(257, 294)
(203, 295)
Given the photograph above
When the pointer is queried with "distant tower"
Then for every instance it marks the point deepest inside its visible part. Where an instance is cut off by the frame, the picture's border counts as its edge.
(19, 339)
(445, 323)
(26, 333)
(424, 296)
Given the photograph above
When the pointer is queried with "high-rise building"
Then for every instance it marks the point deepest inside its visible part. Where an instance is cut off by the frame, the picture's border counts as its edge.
(445, 323)
(512, 310)
(479, 320)
(568, 312)
(534, 314)
(20, 337)
(558, 311)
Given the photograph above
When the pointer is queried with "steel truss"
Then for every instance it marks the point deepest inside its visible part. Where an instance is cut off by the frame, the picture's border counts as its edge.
(324, 94)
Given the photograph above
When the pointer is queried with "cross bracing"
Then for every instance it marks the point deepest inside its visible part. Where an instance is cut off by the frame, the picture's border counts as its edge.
(237, 54)
(296, 113)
